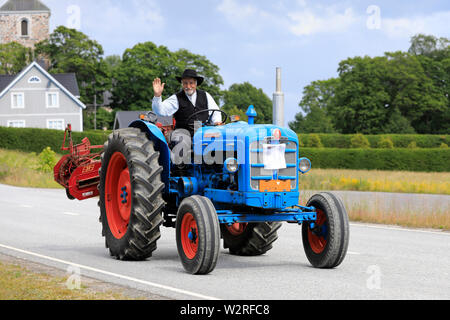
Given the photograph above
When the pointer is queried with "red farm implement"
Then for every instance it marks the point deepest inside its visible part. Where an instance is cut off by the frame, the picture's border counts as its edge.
(77, 171)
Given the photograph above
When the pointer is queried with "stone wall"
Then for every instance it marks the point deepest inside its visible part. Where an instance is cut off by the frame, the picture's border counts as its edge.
(38, 28)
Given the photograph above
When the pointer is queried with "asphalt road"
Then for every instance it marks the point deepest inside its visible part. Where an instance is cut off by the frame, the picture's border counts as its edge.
(382, 262)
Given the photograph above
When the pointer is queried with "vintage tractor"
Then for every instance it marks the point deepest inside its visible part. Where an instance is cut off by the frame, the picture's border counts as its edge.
(237, 182)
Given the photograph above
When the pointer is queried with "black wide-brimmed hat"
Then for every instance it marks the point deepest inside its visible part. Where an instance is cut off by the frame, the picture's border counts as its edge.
(189, 73)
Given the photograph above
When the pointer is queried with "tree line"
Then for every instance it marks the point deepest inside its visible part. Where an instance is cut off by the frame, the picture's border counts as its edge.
(128, 78)
(400, 92)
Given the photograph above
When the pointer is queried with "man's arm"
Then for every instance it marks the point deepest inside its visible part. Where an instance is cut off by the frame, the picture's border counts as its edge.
(217, 116)
(166, 108)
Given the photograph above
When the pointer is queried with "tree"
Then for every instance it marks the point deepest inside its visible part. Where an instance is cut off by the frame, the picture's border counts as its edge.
(146, 61)
(434, 56)
(205, 68)
(71, 51)
(243, 95)
(14, 57)
(317, 99)
(429, 46)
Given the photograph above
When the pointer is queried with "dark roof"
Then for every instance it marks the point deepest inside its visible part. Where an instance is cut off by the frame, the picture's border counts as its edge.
(67, 80)
(125, 118)
(24, 5)
(5, 80)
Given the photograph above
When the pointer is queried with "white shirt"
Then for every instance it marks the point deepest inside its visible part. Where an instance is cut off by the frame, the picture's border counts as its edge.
(170, 106)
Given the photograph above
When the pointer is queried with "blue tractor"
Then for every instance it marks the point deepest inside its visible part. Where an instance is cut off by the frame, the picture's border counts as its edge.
(239, 183)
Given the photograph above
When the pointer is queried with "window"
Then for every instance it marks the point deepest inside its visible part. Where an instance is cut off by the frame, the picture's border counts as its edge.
(17, 100)
(55, 124)
(24, 27)
(16, 123)
(52, 99)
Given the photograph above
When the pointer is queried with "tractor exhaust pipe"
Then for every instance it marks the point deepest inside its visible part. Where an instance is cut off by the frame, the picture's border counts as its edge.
(278, 102)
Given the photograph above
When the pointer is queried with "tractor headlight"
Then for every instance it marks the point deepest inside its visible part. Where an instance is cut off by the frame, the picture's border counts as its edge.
(231, 165)
(304, 165)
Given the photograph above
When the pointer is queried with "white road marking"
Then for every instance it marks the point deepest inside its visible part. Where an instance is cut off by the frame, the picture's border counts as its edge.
(352, 252)
(25, 206)
(399, 229)
(71, 214)
(148, 283)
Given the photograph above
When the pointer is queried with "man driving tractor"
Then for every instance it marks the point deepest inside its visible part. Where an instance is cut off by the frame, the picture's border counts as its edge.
(186, 102)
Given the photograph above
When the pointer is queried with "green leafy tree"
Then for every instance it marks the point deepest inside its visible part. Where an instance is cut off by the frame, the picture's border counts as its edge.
(434, 57)
(317, 100)
(242, 95)
(69, 50)
(144, 62)
(205, 68)
(14, 57)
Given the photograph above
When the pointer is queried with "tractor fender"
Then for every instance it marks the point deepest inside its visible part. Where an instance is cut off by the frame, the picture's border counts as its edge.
(155, 135)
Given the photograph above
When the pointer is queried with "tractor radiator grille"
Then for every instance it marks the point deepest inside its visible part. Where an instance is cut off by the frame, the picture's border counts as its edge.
(258, 173)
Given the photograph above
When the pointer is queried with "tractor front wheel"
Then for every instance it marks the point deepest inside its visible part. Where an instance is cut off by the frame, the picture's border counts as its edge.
(130, 195)
(198, 235)
(326, 240)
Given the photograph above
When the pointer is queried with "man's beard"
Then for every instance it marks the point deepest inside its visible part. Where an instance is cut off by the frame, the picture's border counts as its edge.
(189, 92)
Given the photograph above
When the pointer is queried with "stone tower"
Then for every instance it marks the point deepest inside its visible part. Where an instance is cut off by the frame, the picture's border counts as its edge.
(24, 21)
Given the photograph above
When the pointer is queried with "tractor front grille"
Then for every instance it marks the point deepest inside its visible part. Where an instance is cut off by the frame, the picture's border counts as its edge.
(258, 173)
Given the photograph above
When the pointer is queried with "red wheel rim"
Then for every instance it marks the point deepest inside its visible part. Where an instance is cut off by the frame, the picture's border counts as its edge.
(237, 228)
(118, 195)
(318, 239)
(189, 236)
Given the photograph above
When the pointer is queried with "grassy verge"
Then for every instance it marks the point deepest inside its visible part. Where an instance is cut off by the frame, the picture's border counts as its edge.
(19, 283)
(377, 181)
(20, 169)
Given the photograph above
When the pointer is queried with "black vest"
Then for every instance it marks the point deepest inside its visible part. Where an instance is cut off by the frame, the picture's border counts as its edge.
(186, 109)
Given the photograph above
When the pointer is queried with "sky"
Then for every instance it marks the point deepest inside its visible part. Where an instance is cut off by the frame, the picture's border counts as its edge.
(249, 39)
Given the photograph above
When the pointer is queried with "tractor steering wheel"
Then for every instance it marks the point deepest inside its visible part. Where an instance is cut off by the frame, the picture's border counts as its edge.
(208, 122)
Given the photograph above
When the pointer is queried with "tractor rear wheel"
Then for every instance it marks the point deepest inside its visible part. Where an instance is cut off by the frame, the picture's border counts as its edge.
(198, 235)
(326, 241)
(250, 239)
(130, 195)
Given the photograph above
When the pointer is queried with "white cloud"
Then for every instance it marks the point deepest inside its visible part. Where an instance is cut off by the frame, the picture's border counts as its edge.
(328, 20)
(436, 23)
(303, 20)
(245, 17)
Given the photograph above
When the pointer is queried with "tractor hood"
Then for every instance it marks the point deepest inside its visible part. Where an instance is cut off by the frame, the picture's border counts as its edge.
(236, 135)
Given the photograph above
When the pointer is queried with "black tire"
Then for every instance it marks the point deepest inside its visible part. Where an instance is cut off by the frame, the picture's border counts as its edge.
(69, 196)
(199, 252)
(326, 245)
(145, 197)
(256, 239)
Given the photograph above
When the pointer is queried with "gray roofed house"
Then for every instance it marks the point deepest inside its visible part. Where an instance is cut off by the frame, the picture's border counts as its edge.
(125, 118)
(37, 99)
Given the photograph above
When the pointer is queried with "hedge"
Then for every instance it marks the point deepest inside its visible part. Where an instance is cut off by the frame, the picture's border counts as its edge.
(421, 160)
(35, 140)
(429, 160)
(399, 140)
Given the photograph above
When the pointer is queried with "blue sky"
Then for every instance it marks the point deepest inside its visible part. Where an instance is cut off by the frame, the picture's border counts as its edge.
(248, 39)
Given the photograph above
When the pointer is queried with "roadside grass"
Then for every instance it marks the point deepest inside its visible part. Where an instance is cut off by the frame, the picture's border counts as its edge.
(19, 283)
(20, 169)
(421, 215)
(377, 181)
